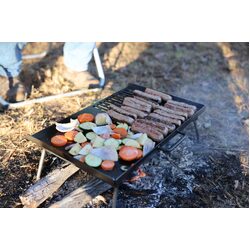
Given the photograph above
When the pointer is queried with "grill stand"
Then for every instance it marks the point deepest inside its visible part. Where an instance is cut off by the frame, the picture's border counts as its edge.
(196, 131)
(115, 194)
(116, 188)
(40, 166)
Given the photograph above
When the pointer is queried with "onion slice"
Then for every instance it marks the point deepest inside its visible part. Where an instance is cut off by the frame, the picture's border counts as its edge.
(105, 153)
(102, 130)
(148, 146)
(65, 127)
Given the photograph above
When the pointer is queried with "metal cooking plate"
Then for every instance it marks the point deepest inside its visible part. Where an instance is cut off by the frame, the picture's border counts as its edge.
(115, 176)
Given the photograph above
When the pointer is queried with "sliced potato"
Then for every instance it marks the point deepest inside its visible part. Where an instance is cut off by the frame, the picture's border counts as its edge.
(112, 142)
(93, 161)
(87, 125)
(131, 142)
(98, 142)
(76, 149)
(80, 138)
(91, 136)
(102, 119)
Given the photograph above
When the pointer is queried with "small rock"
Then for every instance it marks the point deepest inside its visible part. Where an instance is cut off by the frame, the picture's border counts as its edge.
(207, 125)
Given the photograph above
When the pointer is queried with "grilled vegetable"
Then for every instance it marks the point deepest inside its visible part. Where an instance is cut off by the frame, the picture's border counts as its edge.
(86, 149)
(80, 138)
(142, 139)
(75, 150)
(58, 141)
(123, 125)
(148, 146)
(112, 142)
(91, 136)
(105, 136)
(116, 136)
(128, 153)
(140, 154)
(107, 165)
(134, 136)
(98, 142)
(102, 130)
(102, 119)
(105, 153)
(87, 125)
(93, 161)
(122, 131)
(70, 135)
(65, 127)
(131, 142)
(85, 118)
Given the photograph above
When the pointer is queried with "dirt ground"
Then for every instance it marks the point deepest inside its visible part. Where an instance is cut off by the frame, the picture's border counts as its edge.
(213, 172)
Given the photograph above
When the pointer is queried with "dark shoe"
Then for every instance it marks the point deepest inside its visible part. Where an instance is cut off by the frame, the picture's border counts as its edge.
(79, 79)
(14, 91)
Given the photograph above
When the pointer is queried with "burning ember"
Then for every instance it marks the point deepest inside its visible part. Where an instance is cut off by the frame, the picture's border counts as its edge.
(140, 174)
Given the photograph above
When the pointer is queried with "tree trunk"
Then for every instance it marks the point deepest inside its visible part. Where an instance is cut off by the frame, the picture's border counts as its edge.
(47, 186)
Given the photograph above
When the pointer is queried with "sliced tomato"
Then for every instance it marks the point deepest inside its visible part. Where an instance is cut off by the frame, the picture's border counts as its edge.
(107, 165)
(70, 135)
(116, 136)
(86, 117)
(122, 131)
(128, 153)
(140, 153)
(58, 141)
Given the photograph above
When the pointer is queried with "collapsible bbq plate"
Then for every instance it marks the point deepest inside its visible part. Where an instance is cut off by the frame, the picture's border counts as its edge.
(116, 176)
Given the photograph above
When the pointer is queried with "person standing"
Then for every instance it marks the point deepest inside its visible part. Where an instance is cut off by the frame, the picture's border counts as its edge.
(76, 59)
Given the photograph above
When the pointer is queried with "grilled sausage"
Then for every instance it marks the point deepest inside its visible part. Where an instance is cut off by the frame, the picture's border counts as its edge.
(120, 117)
(151, 132)
(153, 104)
(147, 107)
(163, 113)
(148, 96)
(122, 111)
(182, 104)
(139, 113)
(159, 126)
(181, 113)
(189, 111)
(138, 106)
(163, 96)
(165, 119)
(170, 126)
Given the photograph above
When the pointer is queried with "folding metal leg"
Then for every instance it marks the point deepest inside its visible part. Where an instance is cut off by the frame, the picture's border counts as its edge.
(40, 166)
(196, 130)
(115, 194)
(4, 105)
